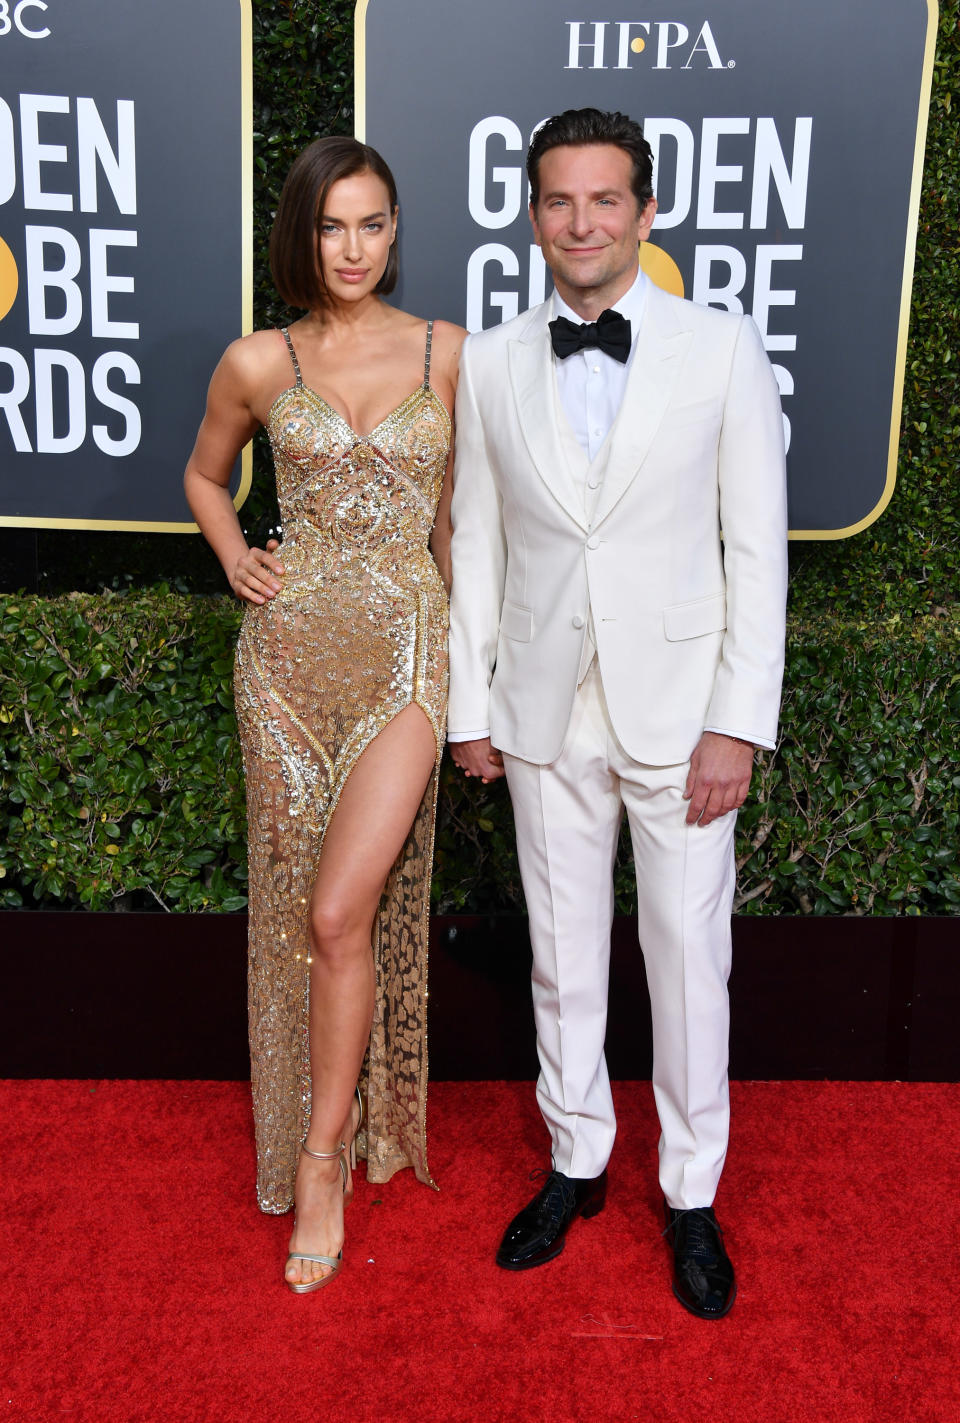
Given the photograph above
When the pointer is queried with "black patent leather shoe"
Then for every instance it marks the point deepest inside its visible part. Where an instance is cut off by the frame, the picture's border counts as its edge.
(703, 1279)
(537, 1234)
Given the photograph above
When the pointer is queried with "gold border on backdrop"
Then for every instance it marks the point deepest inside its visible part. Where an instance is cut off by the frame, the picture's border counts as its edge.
(360, 71)
(913, 211)
(906, 292)
(246, 308)
(246, 216)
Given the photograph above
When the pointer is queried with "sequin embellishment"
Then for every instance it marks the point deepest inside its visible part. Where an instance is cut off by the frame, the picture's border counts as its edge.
(357, 633)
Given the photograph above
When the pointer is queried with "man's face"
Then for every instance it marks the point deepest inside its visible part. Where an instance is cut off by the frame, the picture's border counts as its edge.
(588, 222)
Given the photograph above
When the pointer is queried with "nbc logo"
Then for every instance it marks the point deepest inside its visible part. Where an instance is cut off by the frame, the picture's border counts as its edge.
(16, 18)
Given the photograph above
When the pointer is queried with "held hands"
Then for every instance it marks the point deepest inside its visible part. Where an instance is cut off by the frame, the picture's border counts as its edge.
(719, 777)
(256, 576)
(478, 758)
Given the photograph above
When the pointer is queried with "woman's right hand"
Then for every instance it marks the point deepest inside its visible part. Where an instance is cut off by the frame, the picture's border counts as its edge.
(256, 576)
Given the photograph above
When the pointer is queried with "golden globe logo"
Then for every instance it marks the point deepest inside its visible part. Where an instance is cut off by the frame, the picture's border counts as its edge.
(610, 44)
(9, 279)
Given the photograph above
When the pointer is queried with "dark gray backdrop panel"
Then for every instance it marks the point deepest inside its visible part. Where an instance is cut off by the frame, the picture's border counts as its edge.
(181, 65)
(433, 69)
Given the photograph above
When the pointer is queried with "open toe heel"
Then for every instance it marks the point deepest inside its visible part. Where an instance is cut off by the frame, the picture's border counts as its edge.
(304, 1287)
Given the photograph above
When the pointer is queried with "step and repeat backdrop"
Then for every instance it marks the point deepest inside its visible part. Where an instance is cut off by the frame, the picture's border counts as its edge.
(788, 143)
(125, 250)
(787, 140)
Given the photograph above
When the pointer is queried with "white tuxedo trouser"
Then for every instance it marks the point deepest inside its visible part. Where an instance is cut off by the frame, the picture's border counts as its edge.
(568, 817)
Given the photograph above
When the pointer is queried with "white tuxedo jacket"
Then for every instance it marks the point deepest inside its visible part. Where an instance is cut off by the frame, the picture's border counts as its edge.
(689, 629)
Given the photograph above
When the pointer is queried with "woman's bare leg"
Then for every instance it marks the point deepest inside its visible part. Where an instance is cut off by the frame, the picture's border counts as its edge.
(372, 820)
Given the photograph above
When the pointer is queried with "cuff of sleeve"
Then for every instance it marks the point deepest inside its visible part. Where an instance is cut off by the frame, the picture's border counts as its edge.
(759, 741)
(468, 735)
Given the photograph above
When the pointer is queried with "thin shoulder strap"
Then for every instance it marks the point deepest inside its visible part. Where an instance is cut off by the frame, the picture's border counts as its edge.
(426, 358)
(293, 355)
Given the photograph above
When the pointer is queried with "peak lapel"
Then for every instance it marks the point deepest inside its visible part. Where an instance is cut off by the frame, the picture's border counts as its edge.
(661, 343)
(532, 378)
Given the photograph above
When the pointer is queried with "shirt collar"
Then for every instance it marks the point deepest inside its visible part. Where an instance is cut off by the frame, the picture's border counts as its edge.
(631, 305)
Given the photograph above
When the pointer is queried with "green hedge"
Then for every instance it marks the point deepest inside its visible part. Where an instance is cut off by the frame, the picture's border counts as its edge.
(122, 786)
(119, 764)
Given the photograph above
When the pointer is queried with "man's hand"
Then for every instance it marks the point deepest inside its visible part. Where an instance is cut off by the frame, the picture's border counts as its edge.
(719, 777)
(478, 758)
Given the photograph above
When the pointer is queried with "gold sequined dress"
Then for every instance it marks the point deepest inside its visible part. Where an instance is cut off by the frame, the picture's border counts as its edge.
(357, 633)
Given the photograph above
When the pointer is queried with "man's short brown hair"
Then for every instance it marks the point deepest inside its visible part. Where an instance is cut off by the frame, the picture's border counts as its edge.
(576, 127)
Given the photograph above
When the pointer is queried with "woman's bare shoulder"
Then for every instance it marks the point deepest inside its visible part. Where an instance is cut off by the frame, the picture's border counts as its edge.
(260, 348)
(449, 333)
(253, 359)
(442, 330)
(447, 341)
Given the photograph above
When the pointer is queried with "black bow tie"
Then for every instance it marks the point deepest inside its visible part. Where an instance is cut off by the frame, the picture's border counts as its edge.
(610, 332)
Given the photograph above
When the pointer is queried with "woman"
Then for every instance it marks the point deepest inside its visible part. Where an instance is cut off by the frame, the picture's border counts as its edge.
(340, 689)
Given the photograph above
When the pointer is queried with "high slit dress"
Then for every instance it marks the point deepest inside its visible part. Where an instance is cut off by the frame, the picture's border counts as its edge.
(357, 633)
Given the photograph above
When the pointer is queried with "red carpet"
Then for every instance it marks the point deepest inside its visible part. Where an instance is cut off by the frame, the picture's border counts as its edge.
(140, 1282)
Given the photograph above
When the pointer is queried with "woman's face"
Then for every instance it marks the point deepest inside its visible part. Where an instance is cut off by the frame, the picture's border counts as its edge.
(355, 232)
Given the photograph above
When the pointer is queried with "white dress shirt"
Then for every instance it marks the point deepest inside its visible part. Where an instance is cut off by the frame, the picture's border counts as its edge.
(590, 383)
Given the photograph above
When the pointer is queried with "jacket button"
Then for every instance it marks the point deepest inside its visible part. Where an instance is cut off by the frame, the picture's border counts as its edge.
(593, 541)
(578, 621)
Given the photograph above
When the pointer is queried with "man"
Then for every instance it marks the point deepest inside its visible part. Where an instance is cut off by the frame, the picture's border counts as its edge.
(608, 651)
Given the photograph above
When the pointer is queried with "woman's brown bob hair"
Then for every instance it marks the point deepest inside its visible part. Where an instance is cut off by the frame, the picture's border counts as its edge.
(295, 237)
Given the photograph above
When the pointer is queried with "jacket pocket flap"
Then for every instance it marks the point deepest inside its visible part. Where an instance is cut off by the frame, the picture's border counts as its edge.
(694, 619)
(516, 622)
(693, 413)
